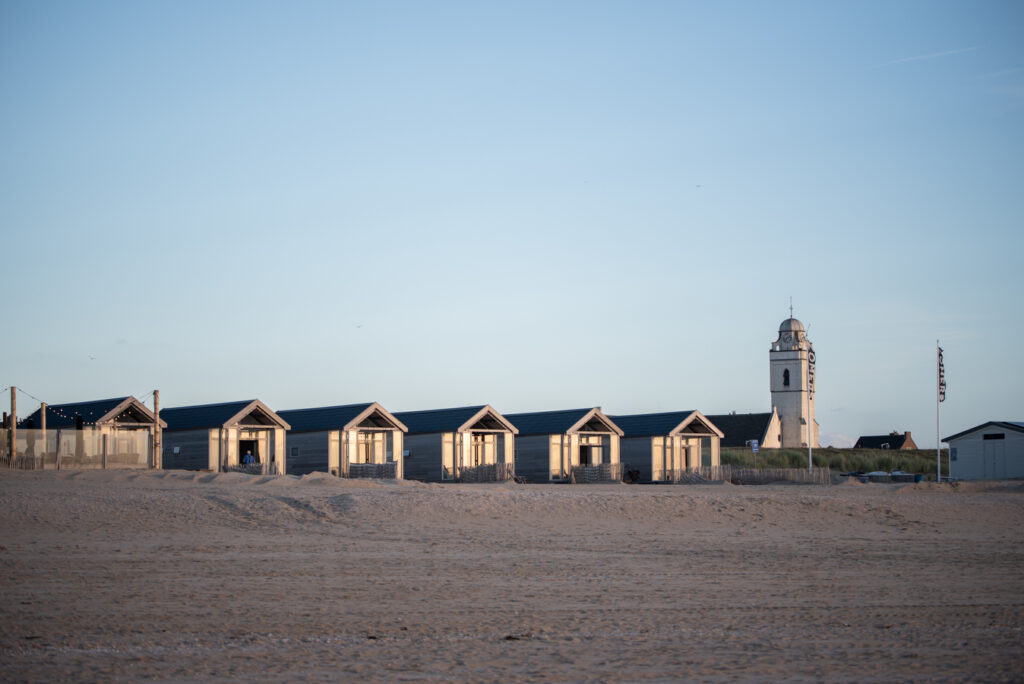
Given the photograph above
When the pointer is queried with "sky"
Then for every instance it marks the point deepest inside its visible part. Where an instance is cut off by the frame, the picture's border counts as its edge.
(536, 205)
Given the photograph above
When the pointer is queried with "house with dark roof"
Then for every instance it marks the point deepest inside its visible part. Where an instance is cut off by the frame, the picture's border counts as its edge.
(741, 429)
(893, 440)
(990, 451)
(221, 437)
(354, 440)
(662, 447)
(578, 445)
(466, 444)
(104, 433)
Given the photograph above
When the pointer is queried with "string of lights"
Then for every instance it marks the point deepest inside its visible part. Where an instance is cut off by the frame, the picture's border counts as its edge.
(52, 410)
(29, 394)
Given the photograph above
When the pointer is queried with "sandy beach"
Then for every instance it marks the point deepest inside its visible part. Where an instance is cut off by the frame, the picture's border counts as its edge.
(176, 576)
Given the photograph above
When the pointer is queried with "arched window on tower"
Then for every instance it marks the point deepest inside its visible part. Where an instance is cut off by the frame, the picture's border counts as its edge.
(785, 378)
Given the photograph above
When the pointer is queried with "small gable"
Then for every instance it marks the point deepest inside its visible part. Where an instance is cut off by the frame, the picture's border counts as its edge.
(487, 422)
(377, 419)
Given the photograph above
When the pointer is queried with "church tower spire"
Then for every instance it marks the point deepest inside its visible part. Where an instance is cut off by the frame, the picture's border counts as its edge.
(791, 362)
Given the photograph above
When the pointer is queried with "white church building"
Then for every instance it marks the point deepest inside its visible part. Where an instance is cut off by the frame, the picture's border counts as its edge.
(791, 362)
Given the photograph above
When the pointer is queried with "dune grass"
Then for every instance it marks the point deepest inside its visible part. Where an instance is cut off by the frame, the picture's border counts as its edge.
(839, 460)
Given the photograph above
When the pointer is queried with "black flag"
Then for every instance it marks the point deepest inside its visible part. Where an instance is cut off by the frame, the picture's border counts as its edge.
(942, 378)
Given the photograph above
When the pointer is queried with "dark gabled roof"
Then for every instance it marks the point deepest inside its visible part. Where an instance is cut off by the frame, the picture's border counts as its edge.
(438, 420)
(214, 415)
(546, 422)
(893, 440)
(337, 417)
(1005, 424)
(322, 418)
(640, 424)
(202, 416)
(740, 428)
(65, 415)
(450, 419)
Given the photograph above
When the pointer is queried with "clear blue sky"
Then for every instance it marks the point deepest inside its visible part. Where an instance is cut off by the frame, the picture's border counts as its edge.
(533, 205)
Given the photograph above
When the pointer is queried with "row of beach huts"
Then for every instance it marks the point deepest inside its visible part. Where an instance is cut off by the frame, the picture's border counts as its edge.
(465, 444)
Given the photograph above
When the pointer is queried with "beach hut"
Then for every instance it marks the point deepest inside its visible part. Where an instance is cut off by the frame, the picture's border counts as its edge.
(468, 444)
(661, 447)
(105, 433)
(222, 437)
(741, 429)
(355, 440)
(577, 445)
(990, 451)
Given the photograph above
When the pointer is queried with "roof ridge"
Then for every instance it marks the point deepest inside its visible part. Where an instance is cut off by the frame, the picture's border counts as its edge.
(325, 408)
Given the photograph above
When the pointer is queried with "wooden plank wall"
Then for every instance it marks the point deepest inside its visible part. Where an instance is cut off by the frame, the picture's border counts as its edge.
(533, 458)
(193, 449)
(312, 456)
(424, 460)
(635, 453)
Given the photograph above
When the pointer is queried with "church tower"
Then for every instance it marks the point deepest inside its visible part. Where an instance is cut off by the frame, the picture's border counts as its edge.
(792, 367)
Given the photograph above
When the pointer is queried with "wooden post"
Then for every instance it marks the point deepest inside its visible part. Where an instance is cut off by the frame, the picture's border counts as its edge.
(158, 454)
(58, 449)
(104, 452)
(42, 413)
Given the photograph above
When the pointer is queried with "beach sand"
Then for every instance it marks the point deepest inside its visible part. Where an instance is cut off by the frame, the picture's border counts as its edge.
(175, 576)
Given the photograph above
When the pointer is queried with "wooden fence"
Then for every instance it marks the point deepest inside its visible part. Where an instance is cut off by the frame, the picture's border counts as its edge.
(605, 472)
(496, 472)
(269, 468)
(88, 448)
(751, 476)
(378, 471)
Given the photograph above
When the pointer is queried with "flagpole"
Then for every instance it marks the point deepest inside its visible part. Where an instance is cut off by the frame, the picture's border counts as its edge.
(938, 395)
(810, 418)
(810, 454)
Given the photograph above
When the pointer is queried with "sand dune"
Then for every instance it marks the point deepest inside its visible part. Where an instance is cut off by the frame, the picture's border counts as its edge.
(121, 575)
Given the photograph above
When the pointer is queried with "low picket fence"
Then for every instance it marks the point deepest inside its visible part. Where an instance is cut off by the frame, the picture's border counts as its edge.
(750, 476)
(377, 471)
(496, 472)
(605, 472)
(253, 469)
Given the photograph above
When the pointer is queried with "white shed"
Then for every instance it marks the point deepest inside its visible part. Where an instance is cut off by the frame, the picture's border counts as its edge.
(991, 451)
